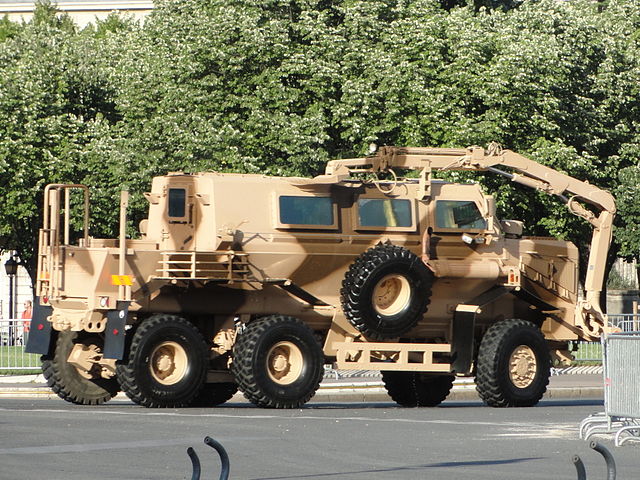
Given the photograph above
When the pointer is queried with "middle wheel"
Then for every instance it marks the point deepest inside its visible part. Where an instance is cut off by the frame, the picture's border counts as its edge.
(416, 389)
(167, 363)
(277, 362)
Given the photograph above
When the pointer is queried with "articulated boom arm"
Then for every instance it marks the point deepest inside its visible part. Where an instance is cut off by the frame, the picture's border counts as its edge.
(527, 172)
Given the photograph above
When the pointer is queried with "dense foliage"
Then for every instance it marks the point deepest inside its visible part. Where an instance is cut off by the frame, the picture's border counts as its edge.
(281, 86)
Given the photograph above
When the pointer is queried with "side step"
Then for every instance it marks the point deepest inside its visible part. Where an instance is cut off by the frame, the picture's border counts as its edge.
(409, 357)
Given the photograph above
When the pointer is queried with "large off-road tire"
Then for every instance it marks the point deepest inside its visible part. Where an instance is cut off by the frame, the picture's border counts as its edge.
(277, 362)
(67, 381)
(167, 363)
(416, 389)
(386, 291)
(213, 394)
(514, 364)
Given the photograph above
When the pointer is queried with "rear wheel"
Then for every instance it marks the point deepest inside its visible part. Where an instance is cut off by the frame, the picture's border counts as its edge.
(277, 362)
(514, 364)
(416, 389)
(167, 363)
(72, 384)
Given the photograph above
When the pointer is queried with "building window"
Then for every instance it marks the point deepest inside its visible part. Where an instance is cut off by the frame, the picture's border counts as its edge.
(384, 212)
(459, 214)
(315, 211)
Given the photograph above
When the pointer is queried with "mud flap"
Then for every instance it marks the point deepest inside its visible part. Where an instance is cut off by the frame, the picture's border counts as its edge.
(114, 338)
(464, 322)
(39, 340)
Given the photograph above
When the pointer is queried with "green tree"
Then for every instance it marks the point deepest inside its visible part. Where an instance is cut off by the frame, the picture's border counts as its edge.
(58, 114)
(281, 86)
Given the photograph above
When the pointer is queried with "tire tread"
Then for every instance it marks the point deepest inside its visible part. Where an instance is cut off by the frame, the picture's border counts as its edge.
(126, 372)
(488, 384)
(409, 390)
(52, 370)
(354, 283)
(243, 369)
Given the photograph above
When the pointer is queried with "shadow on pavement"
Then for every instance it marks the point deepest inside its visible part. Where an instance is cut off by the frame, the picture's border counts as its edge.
(409, 468)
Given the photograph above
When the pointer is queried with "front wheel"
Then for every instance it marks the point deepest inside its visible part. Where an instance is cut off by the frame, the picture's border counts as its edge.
(513, 365)
(277, 362)
(416, 389)
(167, 363)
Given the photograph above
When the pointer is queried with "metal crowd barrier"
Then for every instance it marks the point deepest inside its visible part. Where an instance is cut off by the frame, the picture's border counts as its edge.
(625, 322)
(13, 338)
(621, 416)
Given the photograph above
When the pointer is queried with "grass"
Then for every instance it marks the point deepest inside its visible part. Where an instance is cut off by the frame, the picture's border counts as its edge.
(13, 361)
(588, 353)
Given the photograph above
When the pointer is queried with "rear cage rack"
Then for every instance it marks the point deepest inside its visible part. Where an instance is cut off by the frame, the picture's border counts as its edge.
(224, 266)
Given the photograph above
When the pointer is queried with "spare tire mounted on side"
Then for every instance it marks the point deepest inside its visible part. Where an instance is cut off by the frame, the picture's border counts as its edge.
(386, 291)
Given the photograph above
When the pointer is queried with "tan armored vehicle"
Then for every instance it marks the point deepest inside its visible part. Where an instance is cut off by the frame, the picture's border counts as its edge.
(256, 282)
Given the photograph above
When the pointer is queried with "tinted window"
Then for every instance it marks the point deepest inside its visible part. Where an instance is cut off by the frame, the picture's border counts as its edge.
(177, 202)
(306, 210)
(384, 212)
(459, 214)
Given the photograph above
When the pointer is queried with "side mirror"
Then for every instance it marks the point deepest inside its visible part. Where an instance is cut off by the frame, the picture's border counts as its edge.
(512, 228)
(490, 205)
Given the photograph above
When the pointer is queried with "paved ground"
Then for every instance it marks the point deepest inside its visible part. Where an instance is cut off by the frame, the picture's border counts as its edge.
(460, 440)
(350, 430)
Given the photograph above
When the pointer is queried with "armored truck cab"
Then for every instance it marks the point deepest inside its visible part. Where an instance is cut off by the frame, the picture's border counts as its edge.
(256, 282)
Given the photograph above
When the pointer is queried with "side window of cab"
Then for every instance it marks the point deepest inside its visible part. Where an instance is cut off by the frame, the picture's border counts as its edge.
(385, 214)
(306, 212)
(459, 215)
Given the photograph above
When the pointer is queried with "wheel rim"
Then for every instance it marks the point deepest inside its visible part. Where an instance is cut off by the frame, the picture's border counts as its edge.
(168, 363)
(522, 366)
(391, 295)
(284, 363)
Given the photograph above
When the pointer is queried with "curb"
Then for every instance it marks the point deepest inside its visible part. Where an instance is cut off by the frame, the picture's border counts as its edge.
(340, 392)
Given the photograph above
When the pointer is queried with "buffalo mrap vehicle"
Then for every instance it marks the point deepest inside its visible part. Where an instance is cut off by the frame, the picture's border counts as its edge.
(253, 282)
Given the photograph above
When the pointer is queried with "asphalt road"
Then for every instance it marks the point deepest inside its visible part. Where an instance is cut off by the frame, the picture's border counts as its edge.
(51, 439)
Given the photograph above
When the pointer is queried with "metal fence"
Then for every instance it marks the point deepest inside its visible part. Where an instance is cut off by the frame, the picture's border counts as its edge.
(591, 352)
(13, 337)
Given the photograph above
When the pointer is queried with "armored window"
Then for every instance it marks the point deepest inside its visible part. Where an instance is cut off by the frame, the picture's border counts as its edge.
(384, 213)
(459, 214)
(177, 202)
(312, 211)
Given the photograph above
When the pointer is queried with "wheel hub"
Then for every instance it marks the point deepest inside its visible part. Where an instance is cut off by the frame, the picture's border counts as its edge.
(522, 366)
(168, 363)
(165, 364)
(284, 363)
(391, 294)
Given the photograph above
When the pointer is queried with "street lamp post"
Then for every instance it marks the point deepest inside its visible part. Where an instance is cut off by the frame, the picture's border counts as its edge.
(11, 267)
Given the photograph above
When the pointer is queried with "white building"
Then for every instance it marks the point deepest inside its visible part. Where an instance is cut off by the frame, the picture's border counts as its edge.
(81, 11)
(22, 289)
